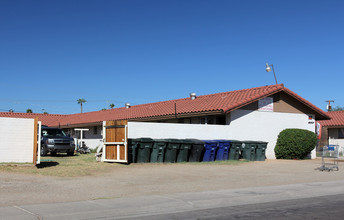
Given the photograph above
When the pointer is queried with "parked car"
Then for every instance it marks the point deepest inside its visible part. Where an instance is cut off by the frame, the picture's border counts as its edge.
(54, 140)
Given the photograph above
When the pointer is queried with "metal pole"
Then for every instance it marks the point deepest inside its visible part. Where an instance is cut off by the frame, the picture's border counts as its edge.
(274, 72)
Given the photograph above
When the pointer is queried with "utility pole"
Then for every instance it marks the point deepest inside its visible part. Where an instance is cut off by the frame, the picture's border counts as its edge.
(329, 107)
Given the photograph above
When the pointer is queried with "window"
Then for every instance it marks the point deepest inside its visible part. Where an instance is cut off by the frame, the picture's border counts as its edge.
(210, 120)
(221, 120)
(202, 120)
(53, 132)
(184, 120)
(341, 133)
(95, 130)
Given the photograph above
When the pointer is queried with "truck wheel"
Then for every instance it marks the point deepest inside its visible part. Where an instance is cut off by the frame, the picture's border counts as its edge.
(43, 150)
(70, 153)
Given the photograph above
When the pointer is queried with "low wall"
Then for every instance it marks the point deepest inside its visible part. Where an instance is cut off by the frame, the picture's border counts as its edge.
(93, 143)
(339, 142)
(16, 140)
(244, 125)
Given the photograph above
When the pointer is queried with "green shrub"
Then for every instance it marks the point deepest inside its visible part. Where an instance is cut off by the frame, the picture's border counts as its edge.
(295, 144)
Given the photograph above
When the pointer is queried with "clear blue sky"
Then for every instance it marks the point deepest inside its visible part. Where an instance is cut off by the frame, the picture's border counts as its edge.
(55, 52)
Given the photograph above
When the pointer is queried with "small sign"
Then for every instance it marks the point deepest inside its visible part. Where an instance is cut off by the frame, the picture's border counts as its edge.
(266, 104)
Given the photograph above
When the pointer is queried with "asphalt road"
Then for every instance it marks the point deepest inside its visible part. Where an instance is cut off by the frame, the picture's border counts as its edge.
(319, 200)
(324, 207)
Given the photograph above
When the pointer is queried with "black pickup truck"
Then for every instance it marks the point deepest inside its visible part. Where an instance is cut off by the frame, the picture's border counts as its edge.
(54, 140)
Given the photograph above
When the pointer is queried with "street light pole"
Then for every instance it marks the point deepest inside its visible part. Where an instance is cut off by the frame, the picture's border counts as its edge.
(268, 69)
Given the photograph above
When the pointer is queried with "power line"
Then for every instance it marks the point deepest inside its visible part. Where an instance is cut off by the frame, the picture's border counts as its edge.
(42, 101)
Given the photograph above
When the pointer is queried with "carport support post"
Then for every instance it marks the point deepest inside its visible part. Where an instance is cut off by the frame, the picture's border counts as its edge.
(81, 134)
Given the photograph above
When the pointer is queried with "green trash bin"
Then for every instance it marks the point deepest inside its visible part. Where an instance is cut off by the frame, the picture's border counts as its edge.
(197, 149)
(172, 148)
(184, 150)
(234, 150)
(248, 150)
(132, 150)
(144, 150)
(158, 151)
(260, 150)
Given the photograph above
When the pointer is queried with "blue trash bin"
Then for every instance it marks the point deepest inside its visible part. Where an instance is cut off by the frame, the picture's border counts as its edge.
(223, 149)
(210, 150)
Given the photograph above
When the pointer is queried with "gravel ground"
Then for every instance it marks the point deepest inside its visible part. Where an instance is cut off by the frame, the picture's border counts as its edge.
(158, 179)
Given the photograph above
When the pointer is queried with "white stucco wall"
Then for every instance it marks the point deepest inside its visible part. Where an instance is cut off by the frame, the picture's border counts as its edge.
(265, 126)
(244, 125)
(93, 143)
(90, 133)
(16, 140)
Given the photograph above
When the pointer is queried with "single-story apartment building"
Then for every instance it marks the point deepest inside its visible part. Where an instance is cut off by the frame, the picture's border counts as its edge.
(332, 131)
(258, 114)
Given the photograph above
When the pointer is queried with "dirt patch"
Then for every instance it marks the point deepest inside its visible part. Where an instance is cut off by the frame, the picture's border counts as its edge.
(157, 179)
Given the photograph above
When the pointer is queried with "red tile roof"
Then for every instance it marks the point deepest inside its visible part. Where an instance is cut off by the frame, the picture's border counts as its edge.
(337, 119)
(46, 119)
(223, 102)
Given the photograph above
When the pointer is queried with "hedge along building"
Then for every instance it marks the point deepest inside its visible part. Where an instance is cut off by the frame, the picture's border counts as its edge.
(251, 114)
(332, 131)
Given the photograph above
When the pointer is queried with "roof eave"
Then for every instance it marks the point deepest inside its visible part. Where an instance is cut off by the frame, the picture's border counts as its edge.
(242, 104)
(323, 116)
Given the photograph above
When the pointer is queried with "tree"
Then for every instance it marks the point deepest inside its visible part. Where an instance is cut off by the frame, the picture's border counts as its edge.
(103, 109)
(80, 101)
(112, 105)
(28, 110)
(45, 112)
(337, 108)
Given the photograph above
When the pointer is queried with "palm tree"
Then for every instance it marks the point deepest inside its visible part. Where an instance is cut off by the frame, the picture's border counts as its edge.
(28, 110)
(112, 105)
(80, 101)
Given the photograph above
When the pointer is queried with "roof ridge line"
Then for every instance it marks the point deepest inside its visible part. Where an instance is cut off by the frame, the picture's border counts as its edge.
(180, 99)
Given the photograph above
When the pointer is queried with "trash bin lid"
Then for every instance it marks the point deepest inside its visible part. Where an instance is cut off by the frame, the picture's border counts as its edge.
(248, 141)
(185, 144)
(196, 141)
(186, 141)
(262, 142)
(177, 141)
(160, 140)
(235, 141)
(145, 139)
(224, 143)
(133, 140)
(210, 143)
